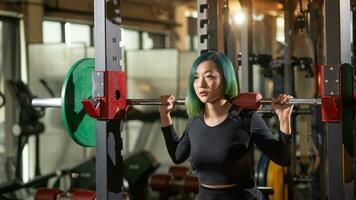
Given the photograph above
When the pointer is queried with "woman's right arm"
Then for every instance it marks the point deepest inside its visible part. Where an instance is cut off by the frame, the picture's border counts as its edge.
(178, 149)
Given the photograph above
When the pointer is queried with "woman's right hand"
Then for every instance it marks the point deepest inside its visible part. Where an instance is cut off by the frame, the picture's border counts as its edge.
(165, 109)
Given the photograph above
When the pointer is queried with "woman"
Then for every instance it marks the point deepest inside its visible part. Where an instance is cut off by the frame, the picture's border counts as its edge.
(219, 136)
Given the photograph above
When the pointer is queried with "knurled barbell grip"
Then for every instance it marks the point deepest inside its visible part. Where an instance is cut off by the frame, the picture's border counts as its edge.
(151, 102)
(264, 101)
(294, 101)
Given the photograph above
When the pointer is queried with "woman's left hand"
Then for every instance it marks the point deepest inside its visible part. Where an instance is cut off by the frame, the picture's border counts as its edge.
(283, 110)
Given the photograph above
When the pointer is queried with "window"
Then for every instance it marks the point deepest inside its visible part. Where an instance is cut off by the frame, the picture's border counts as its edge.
(52, 32)
(135, 39)
(130, 39)
(147, 41)
(0, 42)
(77, 33)
(58, 32)
(153, 40)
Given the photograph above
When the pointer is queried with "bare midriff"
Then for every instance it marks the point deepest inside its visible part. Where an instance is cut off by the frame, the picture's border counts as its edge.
(219, 186)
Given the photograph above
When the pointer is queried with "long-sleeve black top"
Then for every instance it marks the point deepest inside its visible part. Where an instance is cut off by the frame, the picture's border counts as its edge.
(222, 154)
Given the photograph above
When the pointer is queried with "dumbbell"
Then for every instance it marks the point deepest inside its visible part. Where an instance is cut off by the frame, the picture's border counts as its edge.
(57, 194)
(47, 194)
(178, 172)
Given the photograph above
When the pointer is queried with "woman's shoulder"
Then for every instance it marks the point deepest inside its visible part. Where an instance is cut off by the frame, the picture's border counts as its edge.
(191, 121)
(241, 112)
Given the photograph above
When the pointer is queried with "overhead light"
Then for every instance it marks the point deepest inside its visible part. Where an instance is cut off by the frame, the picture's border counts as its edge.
(238, 17)
(236, 14)
(280, 6)
(195, 14)
(191, 13)
(187, 13)
(258, 17)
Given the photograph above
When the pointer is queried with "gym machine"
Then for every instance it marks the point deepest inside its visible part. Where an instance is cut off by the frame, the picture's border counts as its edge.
(28, 123)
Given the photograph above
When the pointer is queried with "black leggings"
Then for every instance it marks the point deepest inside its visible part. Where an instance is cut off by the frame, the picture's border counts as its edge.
(233, 193)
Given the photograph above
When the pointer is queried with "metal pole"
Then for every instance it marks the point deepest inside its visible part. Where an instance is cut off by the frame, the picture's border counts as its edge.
(246, 48)
(203, 35)
(288, 79)
(345, 57)
(337, 29)
(109, 161)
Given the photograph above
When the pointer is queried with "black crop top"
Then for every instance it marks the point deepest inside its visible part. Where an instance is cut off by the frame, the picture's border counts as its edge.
(222, 154)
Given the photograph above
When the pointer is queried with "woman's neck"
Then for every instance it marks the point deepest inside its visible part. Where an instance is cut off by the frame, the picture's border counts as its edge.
(217, 108)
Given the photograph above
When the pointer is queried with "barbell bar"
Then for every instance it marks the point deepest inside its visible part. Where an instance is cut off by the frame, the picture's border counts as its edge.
(57, 102)
(47, 102)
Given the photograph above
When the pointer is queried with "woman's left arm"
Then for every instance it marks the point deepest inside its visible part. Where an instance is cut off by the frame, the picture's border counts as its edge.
(277, 149)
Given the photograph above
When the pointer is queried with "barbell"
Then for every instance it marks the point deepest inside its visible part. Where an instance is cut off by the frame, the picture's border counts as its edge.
(77, 86)
(241, 100)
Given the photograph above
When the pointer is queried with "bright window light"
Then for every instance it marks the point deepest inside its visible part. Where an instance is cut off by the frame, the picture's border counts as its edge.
(280, 29)
(280, 22)
(52, 32)
(130, 39)
(77, 33)
(25, 164)
(147, 41)
(239, 17)
(67, 27)
(195, 14)
(80, 33)
(191, 13)
(258, 17)
(187, 13)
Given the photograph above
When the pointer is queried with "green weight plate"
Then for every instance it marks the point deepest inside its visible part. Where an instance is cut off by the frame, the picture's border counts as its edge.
(347, 107)
(76, 87)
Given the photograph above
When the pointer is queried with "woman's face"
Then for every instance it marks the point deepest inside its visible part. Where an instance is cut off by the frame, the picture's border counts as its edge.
(208, 82)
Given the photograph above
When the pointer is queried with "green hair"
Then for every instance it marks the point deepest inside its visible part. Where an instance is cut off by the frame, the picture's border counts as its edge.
(194, 105)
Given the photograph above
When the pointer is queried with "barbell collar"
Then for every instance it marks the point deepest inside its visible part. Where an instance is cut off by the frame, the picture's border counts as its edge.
(295, 111)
